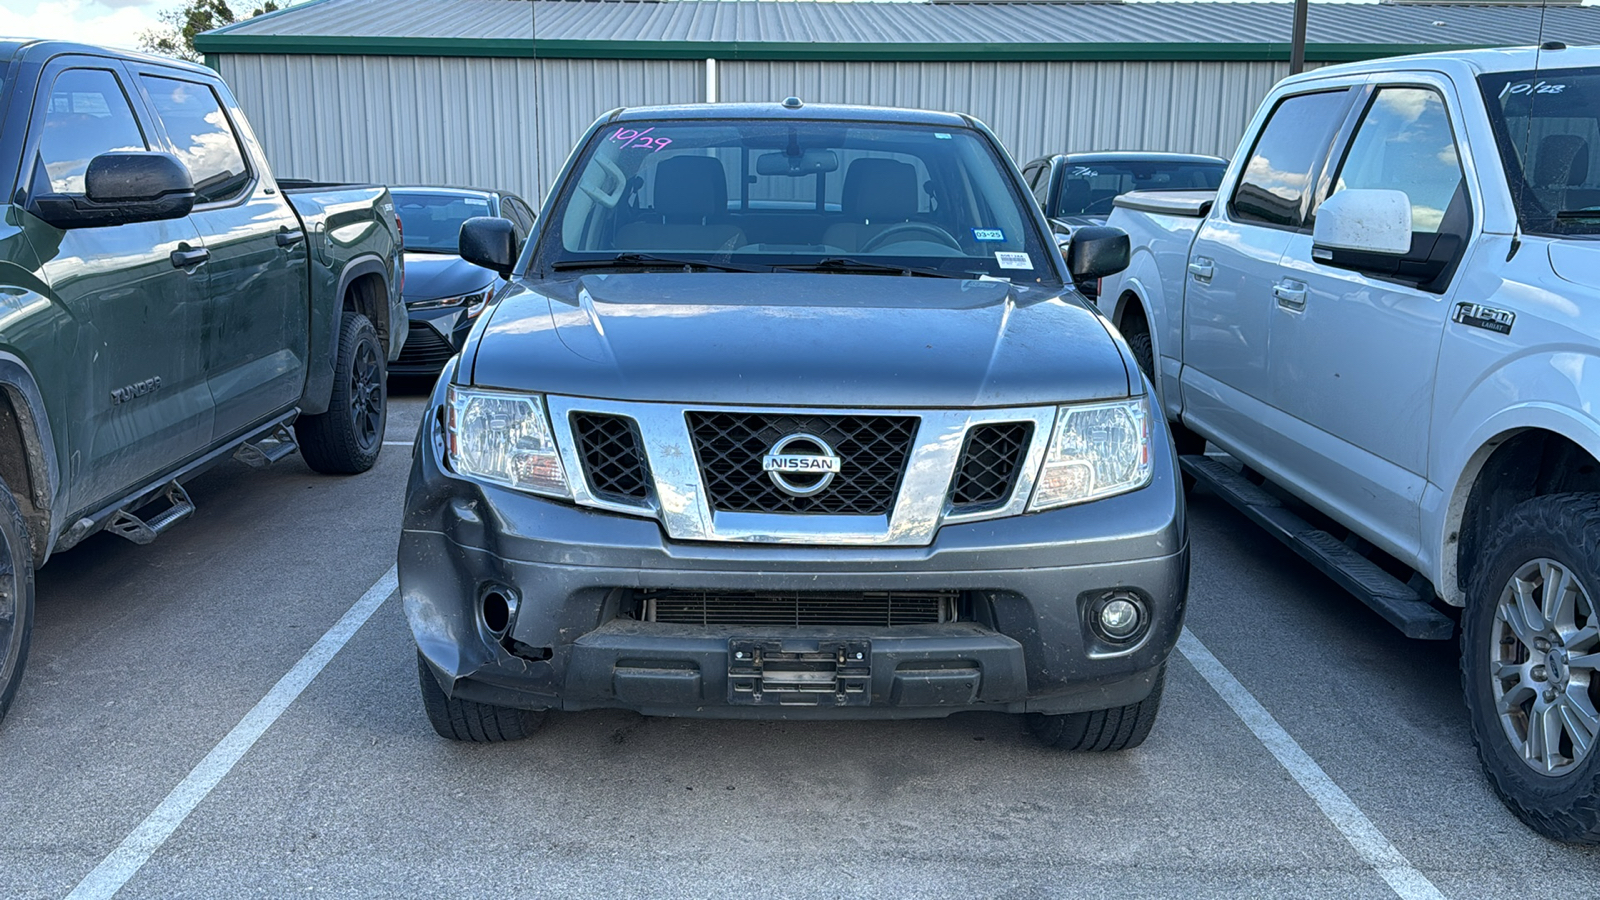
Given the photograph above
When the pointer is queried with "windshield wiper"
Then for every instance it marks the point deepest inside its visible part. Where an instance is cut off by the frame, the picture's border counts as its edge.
(1578, 214)
(847, 265)
(650, 259)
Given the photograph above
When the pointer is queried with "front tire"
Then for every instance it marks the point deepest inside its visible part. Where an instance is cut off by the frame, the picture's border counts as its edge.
(469, 721)
(346, 439)
(16, 597)
(1530, 650)
(1101, 730)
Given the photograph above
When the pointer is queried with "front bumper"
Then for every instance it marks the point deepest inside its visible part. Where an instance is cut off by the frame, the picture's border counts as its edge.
(435, 335)
(1024, 645)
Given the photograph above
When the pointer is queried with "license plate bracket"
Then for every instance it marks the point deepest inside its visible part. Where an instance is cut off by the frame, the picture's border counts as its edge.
(810, 673)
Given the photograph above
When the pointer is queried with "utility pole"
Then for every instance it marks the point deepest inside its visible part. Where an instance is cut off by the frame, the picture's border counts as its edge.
(1297, 52)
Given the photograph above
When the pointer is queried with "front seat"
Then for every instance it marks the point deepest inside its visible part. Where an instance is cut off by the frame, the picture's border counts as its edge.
(691, 194)
(1075, 197)
(878, 194)
(1561, 164)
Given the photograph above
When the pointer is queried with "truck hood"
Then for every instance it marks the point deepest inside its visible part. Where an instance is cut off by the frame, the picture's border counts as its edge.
(430, 276)
(795, 339)
(1575, 260)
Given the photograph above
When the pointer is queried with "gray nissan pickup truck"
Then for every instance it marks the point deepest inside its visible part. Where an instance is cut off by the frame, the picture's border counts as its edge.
(791, 411)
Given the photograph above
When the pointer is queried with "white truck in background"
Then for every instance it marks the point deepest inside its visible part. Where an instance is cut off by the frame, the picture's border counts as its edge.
(1390, 311)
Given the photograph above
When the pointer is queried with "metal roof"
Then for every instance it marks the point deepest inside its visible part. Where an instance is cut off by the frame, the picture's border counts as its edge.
(796, 29)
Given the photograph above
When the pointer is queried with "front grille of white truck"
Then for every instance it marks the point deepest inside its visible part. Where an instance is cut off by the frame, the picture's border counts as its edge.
(797, 609)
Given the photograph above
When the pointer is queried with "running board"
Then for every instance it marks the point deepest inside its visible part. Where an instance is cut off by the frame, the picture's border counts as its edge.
(268, 449)
(1404, 607)
(143, 531)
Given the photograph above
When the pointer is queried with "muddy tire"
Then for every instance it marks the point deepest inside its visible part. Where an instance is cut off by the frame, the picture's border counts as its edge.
(1101, 730)
(16, 598)
(346, 439)
(465, 720)
(1530, 664)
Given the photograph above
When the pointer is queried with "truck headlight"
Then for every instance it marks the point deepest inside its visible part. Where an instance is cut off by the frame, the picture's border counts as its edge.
(1096, 450)
(504, 438)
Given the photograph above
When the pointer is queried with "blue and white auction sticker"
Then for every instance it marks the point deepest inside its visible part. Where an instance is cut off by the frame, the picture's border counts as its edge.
(1013, 260)
(988, 234)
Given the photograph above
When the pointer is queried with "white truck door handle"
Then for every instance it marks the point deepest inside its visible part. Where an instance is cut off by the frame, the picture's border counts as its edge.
(1202, 268)
(1290, 294)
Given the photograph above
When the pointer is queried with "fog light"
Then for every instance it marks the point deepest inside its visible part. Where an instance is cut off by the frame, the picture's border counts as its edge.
(1120, 617)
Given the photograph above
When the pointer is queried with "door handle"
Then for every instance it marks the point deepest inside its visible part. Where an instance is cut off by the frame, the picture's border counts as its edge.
(290, 238)
(183, 259)
(1202, 268)
(1290, 294)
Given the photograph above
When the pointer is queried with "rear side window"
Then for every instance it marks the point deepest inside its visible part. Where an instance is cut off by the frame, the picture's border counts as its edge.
(1405, 143)
(85, 115)
(1273, 186)
(201, 136)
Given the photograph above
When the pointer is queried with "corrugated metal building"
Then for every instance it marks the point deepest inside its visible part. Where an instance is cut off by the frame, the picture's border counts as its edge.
(495, 92)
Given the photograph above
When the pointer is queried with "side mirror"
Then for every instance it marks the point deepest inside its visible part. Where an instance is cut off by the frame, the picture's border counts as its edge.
(491, 242)
(1363, 221)
(1096, 251)
(122, 188)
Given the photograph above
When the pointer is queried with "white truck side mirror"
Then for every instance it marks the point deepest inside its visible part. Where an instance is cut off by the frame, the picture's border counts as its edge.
(1364, 220)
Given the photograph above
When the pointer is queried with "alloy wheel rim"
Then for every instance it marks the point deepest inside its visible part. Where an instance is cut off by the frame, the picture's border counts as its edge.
(1543, 653)
(366, 395)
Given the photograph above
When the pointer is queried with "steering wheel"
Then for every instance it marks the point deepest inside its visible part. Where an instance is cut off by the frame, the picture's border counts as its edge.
(895, 233)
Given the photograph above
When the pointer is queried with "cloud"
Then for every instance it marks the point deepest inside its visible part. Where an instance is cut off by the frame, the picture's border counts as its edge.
(113, 23)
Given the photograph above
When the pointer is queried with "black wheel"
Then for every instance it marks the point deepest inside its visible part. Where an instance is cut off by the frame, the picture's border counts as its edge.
(1530, 648)
(16, 597)
(346, 439)
(1121, 728)
(465, 720)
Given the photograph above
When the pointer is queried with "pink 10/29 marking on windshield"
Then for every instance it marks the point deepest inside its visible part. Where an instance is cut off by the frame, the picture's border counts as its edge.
(640, 140)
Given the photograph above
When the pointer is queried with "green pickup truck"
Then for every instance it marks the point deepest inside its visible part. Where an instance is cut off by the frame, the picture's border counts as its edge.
(165, 304)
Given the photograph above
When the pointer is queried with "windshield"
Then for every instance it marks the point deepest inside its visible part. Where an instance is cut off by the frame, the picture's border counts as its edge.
(1088, 188)
(432, 222)
(759, 194)
(1547, 123)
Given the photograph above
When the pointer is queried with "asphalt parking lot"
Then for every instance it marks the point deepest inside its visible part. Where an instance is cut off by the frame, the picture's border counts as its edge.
(144, 659)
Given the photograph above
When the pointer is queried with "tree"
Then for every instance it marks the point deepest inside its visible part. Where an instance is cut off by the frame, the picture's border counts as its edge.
(192, 18)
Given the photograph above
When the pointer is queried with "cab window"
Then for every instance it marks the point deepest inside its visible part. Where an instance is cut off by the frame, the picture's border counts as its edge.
(1405, 143)
(1273, 186)
(201, 136)
(86, 114)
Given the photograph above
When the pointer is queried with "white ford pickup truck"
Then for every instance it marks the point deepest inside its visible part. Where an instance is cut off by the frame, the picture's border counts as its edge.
(1390, 313)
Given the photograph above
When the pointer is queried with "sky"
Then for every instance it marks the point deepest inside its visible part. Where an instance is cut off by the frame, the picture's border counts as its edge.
(113, 23)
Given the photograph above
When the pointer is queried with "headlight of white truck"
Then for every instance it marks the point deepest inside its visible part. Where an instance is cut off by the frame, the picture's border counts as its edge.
(1096, 450)
(504, 438)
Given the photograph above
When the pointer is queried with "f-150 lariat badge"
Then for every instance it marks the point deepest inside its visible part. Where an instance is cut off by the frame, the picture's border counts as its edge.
(1486, 317)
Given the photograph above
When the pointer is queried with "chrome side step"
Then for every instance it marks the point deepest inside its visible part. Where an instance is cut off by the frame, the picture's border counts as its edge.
(143, 531)
(1406, 608)
(268, 449)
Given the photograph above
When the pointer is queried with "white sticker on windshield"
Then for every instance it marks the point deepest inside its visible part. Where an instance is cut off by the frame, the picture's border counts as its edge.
(1013, 260)
(941, 136)
(988, 234)
(472, 202)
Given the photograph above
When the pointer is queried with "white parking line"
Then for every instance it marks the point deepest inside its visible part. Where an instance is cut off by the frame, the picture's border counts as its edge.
(136, 849)
(1364, 836)
(397, 443)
